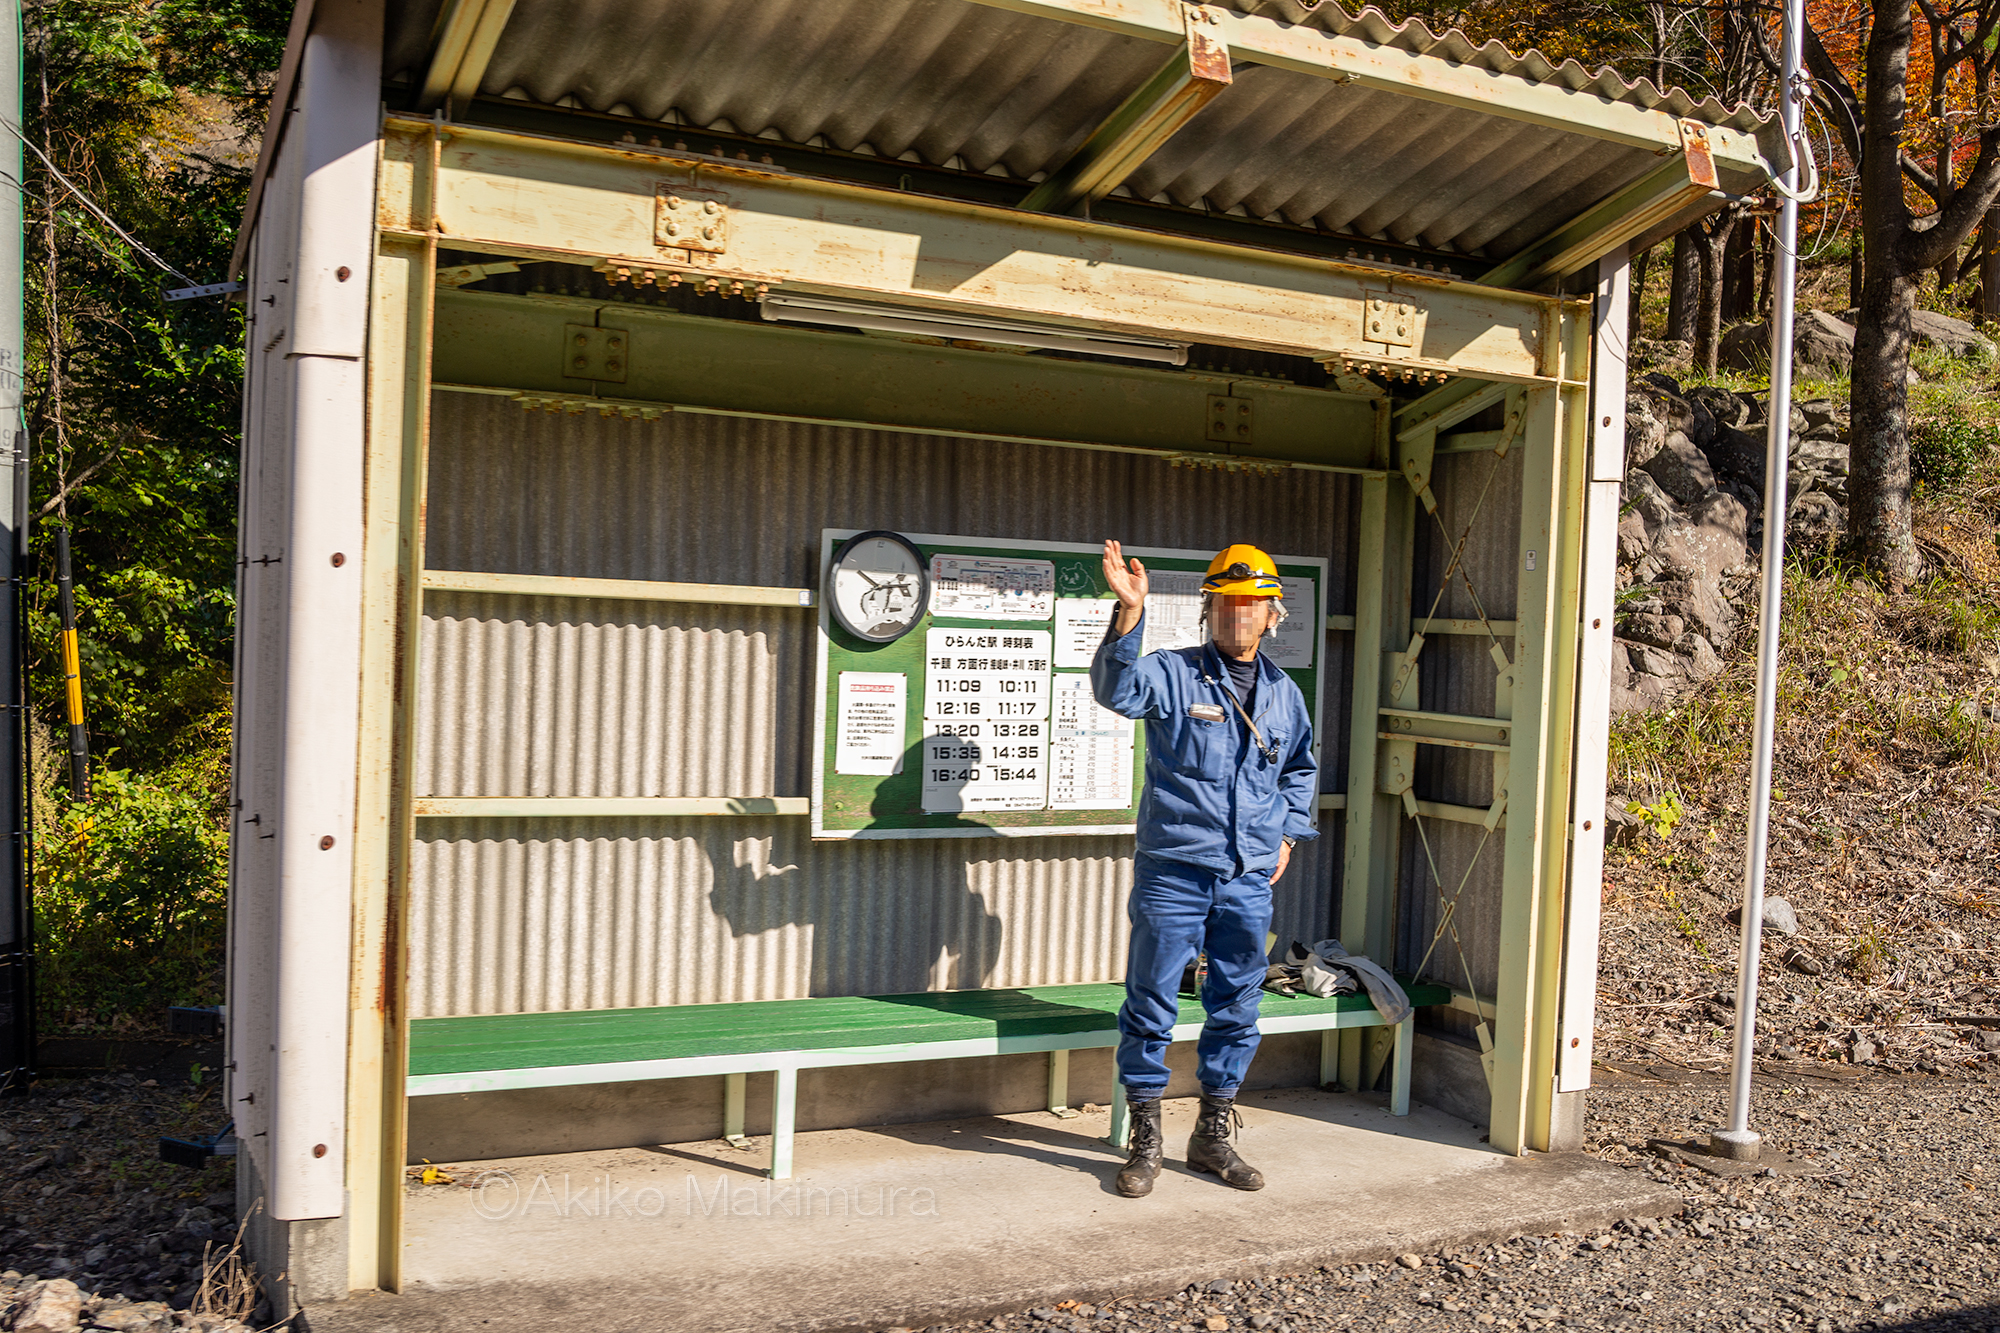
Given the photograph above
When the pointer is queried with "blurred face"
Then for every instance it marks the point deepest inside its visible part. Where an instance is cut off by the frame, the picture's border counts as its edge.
(1237, 623)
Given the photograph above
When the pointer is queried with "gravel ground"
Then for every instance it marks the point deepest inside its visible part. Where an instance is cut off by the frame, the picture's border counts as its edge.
(1884, 1218)
(85, 1198)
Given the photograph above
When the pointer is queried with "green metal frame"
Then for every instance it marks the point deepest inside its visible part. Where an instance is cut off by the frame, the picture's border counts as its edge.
(511, 346)
(1189, 81)
(682, 364)
(1529, 734)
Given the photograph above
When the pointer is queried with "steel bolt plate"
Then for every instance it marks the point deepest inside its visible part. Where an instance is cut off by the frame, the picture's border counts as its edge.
(689, 217)
(590, 353)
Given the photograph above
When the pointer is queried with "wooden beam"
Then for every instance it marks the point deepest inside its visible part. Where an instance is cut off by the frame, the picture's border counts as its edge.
(1576, 1032)
(1682, 188)
(1365, 895)
(493, 342)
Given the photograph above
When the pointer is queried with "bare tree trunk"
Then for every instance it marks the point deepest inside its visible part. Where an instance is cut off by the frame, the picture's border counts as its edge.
(1878, 489)
(1686, 289)
(1855, 273)
(1767, 262)
(1739, 275)
(1635, 326)
(1710, 249)
(1878, 515)
(1989, 264)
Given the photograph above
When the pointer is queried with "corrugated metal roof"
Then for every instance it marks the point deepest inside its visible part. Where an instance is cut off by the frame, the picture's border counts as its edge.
(979, 89)
(1373, 26)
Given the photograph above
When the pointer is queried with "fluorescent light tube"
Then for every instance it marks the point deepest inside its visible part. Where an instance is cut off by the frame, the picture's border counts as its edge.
(972, 328)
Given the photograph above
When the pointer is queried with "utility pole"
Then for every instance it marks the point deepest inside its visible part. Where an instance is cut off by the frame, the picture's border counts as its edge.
(17, 995)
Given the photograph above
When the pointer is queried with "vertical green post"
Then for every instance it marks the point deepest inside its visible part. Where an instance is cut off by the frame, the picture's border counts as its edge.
(1358, 889)
(1538, 771)
(1374, 822)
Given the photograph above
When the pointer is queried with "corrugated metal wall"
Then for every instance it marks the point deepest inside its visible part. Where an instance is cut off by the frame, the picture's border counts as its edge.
(1481, 492)
(547, 697)
(524, 915)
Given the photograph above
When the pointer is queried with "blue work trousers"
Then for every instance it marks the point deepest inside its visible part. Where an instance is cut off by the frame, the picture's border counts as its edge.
(1178, 909)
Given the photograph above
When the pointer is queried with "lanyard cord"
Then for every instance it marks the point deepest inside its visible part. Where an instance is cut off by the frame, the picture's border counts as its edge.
(1270, 752)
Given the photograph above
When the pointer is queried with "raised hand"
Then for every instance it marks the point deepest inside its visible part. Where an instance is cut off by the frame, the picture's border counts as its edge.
(1129, 584)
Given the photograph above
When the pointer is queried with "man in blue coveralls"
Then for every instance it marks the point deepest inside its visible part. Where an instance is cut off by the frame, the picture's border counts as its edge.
(1231, 785)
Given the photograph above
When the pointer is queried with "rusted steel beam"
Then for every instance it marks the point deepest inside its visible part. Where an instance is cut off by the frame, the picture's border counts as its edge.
(658, 215)
(1668, 197)
(1745, 160)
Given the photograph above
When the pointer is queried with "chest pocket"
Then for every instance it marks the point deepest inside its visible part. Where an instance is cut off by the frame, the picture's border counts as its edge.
(1205, 743)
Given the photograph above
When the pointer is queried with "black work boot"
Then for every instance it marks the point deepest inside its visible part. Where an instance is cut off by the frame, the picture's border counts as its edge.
(1210, 1150)
(1135, 1178)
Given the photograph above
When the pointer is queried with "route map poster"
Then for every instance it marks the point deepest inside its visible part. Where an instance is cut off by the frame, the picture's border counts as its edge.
(980, 721)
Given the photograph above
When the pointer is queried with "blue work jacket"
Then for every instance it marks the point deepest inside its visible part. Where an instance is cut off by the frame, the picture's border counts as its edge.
(1211, 796)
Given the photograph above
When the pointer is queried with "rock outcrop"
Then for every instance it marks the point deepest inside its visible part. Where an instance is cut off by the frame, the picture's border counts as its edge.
(1690, 531)
(1819, 341)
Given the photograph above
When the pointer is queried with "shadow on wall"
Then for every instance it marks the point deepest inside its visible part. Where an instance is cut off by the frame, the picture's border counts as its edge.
(939, 934)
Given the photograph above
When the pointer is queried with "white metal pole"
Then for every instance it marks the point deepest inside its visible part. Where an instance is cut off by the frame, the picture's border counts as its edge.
(1739, 1141)
(17, 1017)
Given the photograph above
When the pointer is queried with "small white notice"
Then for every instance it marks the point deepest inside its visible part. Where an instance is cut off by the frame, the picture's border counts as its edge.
(985, 765)
(1080, 626)
(1292, 645)
(1173, 610)
(989, 674)
(1090, 751)
(981, 587)
(870, 736)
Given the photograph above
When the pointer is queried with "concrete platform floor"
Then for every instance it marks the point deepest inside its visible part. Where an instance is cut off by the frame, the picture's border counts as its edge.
(917, 1224)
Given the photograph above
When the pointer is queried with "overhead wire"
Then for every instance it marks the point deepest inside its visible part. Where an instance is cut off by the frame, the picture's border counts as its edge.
(91, 204)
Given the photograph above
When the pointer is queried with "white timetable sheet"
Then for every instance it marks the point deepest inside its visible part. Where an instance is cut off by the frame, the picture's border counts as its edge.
(1173, 610)
(1292, 645)
(985, 766)
(986, 673)
(1090, 750)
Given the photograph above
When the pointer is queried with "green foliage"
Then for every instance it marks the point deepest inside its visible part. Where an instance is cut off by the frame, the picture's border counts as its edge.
(153, 109)
(1662, 815)
(1947, 448)
(130, 888)
(1685, 923)
(1949, 619)
(133, 403)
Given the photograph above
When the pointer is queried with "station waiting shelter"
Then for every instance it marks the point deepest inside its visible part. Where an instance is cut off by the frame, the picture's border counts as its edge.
(582, 339)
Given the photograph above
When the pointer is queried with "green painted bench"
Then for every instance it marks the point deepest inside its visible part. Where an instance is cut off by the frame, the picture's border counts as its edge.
(493, 1052)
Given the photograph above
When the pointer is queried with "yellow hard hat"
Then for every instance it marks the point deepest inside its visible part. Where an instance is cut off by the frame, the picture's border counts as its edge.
(1243, 571)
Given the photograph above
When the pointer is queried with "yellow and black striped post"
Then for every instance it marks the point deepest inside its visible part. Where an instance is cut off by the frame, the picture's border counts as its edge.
(79, 739)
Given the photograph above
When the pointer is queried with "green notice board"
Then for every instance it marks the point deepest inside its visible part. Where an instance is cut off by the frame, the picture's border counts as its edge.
(999, 734)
